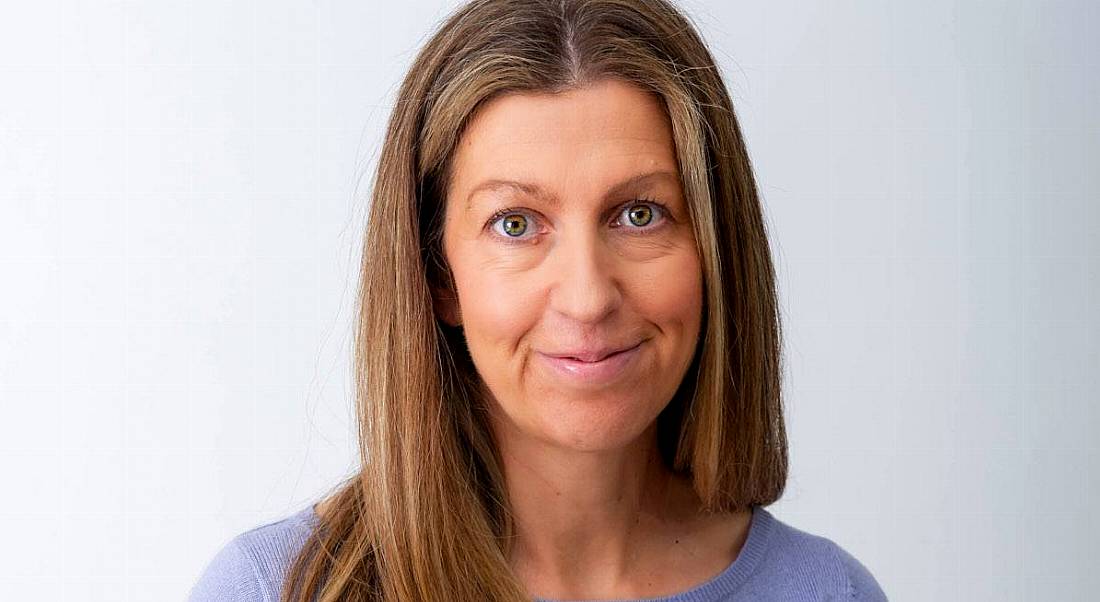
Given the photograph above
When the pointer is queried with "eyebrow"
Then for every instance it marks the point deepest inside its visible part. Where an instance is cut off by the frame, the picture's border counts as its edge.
(548, 197)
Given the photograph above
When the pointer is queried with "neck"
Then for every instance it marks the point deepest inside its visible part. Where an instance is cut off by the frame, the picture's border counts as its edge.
(585, 520)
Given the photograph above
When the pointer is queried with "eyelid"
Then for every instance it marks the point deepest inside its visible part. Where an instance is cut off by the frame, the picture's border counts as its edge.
(496, 217)
(666, 215)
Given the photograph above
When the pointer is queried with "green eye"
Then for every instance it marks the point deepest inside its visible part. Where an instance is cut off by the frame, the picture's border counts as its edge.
(640, 215)
(515, 225)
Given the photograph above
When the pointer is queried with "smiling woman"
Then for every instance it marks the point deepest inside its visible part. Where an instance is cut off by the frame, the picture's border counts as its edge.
(580, 304)
(580, 320)
(568, 355)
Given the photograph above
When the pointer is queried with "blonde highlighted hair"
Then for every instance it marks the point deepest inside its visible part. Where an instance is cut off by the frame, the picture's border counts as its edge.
(427, 516)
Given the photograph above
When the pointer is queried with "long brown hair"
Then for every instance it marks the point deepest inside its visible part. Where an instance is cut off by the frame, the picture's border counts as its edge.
(427, 516)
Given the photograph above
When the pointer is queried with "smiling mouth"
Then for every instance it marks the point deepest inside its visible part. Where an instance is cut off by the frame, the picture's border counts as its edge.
(602, 358)
(587, 373)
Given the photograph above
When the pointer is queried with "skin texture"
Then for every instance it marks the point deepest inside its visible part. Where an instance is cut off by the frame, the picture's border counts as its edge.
(598, 514)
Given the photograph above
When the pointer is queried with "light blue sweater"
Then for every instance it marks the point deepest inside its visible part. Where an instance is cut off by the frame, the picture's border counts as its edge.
(777, 562)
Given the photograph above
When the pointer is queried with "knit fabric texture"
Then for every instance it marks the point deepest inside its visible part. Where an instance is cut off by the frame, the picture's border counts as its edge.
(776, 562)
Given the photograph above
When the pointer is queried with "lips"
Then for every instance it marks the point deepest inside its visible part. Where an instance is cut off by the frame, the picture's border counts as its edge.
(592, 355)
(607, 367)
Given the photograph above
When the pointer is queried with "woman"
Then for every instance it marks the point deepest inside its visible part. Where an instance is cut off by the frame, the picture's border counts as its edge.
(568, 346)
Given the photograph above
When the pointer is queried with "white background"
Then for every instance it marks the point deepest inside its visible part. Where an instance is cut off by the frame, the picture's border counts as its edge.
(180, 228)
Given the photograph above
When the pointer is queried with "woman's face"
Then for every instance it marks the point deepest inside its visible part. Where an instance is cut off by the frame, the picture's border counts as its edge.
(591, 251)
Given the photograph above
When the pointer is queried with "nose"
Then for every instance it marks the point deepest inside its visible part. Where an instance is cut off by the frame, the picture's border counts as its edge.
(586, 279)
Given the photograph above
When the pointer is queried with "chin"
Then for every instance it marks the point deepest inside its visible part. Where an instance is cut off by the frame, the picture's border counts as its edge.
(583, 426)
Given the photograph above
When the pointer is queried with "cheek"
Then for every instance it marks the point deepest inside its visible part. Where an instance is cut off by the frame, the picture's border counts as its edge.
(673, 301)
(497, 309)
(671, 292)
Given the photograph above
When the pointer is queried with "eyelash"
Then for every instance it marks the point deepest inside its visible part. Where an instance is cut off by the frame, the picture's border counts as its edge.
(661, 209)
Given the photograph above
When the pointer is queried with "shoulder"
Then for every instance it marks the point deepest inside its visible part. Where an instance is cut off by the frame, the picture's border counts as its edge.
(813, 567)
(251, 566)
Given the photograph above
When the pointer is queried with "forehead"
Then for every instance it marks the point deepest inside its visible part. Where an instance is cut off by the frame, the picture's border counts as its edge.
(594, 136)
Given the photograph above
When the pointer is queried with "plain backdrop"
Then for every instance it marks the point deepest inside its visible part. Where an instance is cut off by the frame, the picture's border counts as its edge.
(182, 199)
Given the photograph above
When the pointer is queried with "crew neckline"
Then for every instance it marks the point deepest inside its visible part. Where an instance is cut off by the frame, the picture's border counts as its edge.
(761, 527)
(724, 583)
